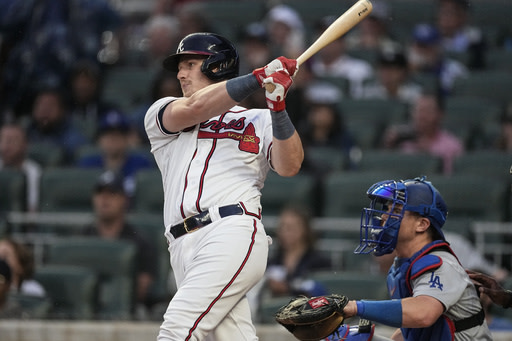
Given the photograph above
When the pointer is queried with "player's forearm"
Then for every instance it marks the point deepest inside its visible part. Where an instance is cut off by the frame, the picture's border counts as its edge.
(287, 155)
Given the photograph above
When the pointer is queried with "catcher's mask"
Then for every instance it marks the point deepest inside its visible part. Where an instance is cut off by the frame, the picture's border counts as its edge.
(390, 199)
(221, 57)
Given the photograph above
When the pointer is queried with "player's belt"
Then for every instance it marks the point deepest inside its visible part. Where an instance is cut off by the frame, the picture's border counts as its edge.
(202, 219)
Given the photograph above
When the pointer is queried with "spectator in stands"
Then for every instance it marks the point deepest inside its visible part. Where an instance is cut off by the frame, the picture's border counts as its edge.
(110, 204)
(191, 20)
(255, 49)
(51, 124)
(333, 61)
(288, 272)
(45, 38)
(425, 133)
(161, 39)
(13, 155)
(504, 140)
(324, 125)
(392, 80)
(457, 35)
(115, 153)
(286, 31)
(9, 309)
(373, 33)
(426, 57)
(86, 105)
(21, 261)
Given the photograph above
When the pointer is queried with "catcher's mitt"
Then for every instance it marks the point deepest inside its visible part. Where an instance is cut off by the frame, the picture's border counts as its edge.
(312, 318)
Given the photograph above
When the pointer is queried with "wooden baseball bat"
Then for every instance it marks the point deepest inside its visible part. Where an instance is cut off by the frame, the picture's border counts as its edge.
(339, 27)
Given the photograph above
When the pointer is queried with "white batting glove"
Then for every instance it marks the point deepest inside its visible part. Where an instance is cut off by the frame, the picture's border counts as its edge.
(282, 81)
(281, 63)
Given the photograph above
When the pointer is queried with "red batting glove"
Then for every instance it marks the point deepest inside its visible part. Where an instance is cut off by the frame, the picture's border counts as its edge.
(281, 63)
(282, 82)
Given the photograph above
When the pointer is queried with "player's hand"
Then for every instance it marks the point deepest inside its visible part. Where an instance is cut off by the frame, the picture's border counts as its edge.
(281, 63)
(489, 286)
(282, 81)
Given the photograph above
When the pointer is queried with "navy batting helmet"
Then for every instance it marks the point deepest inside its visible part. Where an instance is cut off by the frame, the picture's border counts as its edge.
(378, 235)
(221, 60)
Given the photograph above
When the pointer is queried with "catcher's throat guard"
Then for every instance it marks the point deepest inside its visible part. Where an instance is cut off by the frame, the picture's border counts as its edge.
(312, 318)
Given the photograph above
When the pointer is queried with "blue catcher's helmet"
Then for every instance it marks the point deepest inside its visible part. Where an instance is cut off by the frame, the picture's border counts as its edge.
(221, 57)
(379, 236)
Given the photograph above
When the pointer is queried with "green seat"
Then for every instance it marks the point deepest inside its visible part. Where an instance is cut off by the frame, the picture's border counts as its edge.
(493, 85)
(491, 163)
(12, 184)
(269, 306)
(45, 154)
(151, 227)
(127, 86)
(325, 159)
(114, 264)
(354, 284)
(312, 13)
(473, 196)
(149, 192)
(407, 13)
(471, 117)
(72, 290)
(367, 136)
(34, 307)
(379, 112)
(345, 193)
(499, 60)
(67, 189)
(404, 165)
(279, 192)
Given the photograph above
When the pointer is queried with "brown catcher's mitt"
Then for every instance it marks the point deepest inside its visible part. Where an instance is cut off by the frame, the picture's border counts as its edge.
(312, 318)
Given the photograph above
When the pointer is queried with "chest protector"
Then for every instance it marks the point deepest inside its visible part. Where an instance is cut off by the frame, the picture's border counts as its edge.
(399, 281)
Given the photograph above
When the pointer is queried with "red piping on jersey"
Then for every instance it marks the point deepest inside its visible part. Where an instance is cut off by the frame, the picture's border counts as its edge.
(247, 255)
(256, 215)
(201, 181)
(182, 211)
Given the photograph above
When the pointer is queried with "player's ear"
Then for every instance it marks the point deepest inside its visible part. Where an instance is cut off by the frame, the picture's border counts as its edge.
(422, 224)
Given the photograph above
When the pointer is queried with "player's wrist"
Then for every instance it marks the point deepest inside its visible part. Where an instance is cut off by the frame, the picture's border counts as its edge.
(282, 126)
(388, 312)
(240, 87)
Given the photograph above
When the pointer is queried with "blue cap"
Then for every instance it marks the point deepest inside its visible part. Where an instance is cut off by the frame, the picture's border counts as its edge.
(426, 34)
(110, 181)
(114, 121)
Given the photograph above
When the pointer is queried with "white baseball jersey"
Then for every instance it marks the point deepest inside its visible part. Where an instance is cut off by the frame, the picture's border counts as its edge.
(222, 161)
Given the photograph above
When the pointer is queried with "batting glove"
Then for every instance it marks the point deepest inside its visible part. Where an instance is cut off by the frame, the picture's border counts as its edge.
(281, 63)
(282, 81)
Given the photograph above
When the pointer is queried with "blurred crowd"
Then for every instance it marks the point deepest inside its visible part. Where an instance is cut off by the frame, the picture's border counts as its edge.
(59, 105)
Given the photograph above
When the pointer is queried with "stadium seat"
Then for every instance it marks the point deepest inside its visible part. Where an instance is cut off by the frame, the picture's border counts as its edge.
(325, 159)
(72, 290)
(113, 262)
(34, 307)
(345, 192)
(149, 192)
(486, 163)
(46, 155)
(127, 87)
(279, 192)
(471, 117)
(378, 112)
(499, 59)
(493, 85)
(66, 189)
(474, 196)
(151, 227)
(12, 184)
(404, 165)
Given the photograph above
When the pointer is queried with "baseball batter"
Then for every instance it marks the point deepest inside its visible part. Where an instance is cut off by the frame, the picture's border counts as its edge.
(214, 156)
(432, 296)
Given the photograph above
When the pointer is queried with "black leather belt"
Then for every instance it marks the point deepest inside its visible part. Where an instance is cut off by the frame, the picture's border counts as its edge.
(202, 219)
